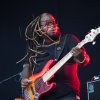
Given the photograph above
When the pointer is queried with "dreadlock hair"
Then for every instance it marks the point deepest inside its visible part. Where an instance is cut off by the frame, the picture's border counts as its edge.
(33, 32)
(34, 36)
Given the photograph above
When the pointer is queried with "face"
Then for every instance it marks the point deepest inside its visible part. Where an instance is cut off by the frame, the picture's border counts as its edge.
(49, 25)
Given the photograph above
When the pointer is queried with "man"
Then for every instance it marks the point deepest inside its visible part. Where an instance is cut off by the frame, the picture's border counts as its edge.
(46, 42)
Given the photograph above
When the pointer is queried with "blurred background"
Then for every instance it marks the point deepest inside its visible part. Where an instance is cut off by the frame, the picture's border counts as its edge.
(74, 17)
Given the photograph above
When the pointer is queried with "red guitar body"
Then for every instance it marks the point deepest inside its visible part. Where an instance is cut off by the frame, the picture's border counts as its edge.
(38, 87)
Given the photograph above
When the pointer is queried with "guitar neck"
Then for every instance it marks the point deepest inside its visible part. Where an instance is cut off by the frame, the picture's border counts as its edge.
(59, 64)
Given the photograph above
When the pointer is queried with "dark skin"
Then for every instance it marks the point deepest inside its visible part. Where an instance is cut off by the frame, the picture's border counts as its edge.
(51, 29)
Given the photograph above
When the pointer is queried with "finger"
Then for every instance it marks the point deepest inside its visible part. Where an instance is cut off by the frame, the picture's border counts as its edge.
(26, 80)
(23, 86)
(29, 81)
(77, 50)
(24, 83)
(74, 51)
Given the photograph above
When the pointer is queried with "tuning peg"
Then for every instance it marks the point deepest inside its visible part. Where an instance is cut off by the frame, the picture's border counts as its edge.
(94, 42)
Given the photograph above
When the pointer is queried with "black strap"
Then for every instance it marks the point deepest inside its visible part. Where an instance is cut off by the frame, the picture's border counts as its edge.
(59, 48)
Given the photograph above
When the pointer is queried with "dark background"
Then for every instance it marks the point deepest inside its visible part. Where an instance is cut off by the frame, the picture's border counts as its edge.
(74, 17)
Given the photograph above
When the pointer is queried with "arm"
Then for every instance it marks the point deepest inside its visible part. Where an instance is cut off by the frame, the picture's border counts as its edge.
(80, 56)
(25, 72)
(26, 66)
(25, 75)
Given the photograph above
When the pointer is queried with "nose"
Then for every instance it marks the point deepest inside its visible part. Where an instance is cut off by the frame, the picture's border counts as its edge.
(54, 26)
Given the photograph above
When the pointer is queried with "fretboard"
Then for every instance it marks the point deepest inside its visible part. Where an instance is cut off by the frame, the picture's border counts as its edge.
(60, 63)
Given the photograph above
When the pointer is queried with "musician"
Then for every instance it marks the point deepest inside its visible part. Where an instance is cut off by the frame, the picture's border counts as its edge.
(45, 42)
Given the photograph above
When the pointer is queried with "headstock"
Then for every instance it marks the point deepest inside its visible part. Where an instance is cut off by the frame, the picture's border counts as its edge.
(92, 35)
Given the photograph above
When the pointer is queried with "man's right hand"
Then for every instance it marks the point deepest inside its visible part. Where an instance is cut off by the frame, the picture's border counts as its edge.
(25, 82)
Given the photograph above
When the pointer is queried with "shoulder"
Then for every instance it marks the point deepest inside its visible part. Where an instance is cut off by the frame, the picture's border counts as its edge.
(72, 37)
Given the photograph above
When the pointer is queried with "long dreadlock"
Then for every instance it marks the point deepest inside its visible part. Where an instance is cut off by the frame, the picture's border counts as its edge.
(34, 34)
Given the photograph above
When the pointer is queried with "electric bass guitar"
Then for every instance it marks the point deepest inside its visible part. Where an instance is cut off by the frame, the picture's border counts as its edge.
(40, 84)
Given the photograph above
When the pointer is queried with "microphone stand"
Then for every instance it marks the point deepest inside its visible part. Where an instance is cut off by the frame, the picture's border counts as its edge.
(10, 77)
(18, 74)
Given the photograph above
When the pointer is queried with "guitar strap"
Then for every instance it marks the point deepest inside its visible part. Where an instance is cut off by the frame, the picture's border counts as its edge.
(59, 48)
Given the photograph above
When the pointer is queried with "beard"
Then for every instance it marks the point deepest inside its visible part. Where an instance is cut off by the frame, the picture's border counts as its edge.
(54, 35)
